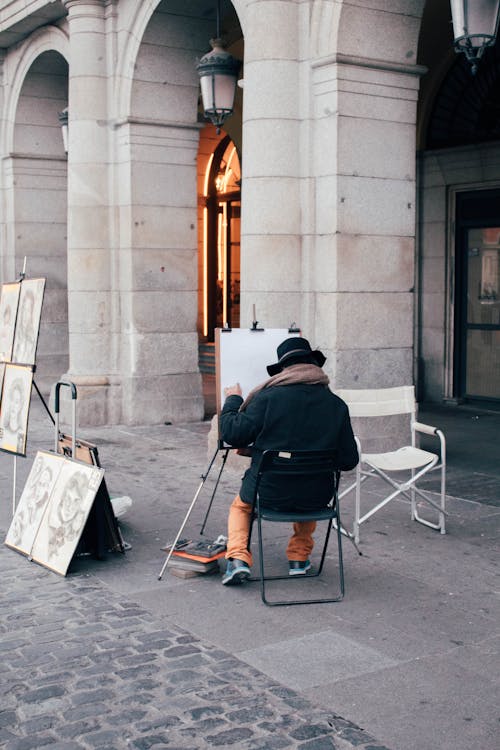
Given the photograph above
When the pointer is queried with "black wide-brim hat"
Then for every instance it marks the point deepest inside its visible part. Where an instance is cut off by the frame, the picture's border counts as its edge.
(295, 347)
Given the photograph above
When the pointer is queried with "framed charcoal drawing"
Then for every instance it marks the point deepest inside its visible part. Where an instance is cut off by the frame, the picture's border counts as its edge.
(66, 514)
(14, 408)
(28, 321)
(9, 299)
(34, 501)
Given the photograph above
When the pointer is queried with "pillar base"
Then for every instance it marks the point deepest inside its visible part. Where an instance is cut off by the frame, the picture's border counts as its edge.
(158, 399)
(161, 399)
(98, 400)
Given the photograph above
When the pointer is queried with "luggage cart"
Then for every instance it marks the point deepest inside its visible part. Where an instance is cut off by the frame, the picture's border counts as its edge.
(102, 532)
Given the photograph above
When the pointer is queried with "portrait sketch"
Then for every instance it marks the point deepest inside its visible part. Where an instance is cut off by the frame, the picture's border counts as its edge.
(66, 514)
(14, 408)
(9, 299)
(34, 501)
(28, 321)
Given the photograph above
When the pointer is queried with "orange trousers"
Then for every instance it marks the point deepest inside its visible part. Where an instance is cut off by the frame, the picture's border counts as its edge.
(238, 527)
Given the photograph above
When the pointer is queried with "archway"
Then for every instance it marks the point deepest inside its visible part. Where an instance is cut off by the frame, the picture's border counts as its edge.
(158, 146)
(219, 212)
(459, 259)
(219, 241)
(39, 178)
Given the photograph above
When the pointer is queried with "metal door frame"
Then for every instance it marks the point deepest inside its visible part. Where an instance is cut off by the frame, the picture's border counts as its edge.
(479, 216)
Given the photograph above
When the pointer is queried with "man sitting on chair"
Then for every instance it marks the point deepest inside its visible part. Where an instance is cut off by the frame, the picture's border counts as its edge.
(294, 410)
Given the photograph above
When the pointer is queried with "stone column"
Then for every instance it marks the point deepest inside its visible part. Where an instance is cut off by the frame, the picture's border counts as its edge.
(364, 162)
(91, 298)
(271, 201)
(365, 186)
(158, 270)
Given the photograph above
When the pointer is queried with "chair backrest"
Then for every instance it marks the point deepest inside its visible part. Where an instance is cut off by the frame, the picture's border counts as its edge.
(292, 476)
(299, 463)
(379, 402)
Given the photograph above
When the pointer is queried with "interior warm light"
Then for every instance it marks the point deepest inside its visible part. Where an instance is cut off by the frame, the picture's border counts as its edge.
(205, 271)
(207, 175)
(205, 248)
(220, 267)
(224, 257)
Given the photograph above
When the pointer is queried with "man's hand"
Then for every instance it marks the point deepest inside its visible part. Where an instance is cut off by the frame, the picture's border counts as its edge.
(232, 390)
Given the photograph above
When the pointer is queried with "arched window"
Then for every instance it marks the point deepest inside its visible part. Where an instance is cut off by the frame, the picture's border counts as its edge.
(221, 239)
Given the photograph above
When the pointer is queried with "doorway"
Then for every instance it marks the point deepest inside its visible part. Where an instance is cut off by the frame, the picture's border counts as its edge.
(221, 240)
(477, 279)
(219, 211)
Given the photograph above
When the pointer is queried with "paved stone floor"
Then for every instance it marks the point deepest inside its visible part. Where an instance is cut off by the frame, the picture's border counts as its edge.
(110, 657)
(82, 668)
(84, 665)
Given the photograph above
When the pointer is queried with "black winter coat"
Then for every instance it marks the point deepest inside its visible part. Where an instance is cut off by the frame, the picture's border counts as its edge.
(290, 417)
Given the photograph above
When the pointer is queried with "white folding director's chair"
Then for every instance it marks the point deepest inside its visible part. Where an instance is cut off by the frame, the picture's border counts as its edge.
(414, 461)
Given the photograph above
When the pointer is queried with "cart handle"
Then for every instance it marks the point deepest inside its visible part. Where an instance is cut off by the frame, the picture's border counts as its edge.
(58, 388)
(56, 410)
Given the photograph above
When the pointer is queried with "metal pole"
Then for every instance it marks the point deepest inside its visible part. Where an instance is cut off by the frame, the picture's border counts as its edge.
(14, 487)
(186, 517)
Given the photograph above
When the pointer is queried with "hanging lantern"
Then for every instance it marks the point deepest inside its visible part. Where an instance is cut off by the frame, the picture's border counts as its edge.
(218, 71)
(63, 122)
(475, 24)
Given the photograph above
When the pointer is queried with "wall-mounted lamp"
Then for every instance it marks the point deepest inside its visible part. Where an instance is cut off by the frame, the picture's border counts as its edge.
(475, 25)
(218, 71)
(63, 121)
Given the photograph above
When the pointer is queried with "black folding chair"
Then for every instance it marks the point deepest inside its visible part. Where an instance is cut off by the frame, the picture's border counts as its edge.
(298, 464)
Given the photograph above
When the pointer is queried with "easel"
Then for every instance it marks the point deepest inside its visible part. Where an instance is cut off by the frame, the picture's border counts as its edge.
(226, 330)
(33, 368)
(225, 449)
(22, 276)
(204, 478)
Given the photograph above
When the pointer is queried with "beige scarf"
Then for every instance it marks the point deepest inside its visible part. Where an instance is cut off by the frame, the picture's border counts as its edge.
(304, 373)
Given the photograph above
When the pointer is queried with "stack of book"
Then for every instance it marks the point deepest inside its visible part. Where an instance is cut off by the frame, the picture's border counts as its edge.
(191, 558)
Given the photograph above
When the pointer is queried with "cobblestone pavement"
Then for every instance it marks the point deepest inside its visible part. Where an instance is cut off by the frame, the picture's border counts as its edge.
(110, 658)
(83, 669)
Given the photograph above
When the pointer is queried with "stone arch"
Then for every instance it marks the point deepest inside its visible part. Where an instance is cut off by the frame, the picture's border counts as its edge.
(344, 28)
(48, 39)
(140, 17)
(35, 180)
(157, 109)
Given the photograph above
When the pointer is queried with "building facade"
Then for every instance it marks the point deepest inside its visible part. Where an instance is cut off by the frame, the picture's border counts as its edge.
(353, 192)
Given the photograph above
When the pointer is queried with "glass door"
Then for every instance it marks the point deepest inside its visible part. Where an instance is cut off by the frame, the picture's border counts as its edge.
(482, 314)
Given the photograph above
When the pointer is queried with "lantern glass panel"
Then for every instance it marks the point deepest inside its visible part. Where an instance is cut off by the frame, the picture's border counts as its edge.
(217, 92)
(474, 18)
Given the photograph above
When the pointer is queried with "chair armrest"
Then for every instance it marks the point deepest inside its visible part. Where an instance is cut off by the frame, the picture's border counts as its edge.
(427, 428)
(430, 430)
